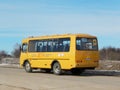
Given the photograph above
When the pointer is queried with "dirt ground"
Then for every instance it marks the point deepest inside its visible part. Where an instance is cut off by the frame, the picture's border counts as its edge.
(18, 79)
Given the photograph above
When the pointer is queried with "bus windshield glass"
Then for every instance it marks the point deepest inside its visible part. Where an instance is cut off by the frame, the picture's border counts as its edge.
(86, 44)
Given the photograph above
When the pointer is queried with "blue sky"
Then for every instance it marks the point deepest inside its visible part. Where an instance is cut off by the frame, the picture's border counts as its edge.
(23, 18)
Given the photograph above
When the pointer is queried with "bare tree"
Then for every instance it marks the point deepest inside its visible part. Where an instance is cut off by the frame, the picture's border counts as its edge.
(110, 53)
(3, 54)
(16, 51)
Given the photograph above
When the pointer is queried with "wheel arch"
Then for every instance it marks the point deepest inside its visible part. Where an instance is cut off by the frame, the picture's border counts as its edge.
(25, 62)
(54, 61)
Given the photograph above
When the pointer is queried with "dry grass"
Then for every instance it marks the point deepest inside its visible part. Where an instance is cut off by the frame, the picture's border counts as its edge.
(109, 65)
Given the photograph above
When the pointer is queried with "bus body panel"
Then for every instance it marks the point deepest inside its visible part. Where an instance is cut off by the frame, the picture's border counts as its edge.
(87, 59)
(44, 60)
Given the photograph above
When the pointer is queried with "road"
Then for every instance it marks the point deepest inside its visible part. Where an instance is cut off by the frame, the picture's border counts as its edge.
(18, 79)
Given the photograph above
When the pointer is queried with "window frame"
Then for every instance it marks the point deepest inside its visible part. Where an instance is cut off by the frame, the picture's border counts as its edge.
(50, 45)
(26, 47)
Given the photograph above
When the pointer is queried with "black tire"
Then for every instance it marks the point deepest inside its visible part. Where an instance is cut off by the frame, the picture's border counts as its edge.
(57, 68)
(28, 67)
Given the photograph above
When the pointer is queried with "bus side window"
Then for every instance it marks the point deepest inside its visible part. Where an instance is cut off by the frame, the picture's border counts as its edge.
(39, 46)
(50, 46)
(44, 48)
(33, 45)
(55, 45)
(60, 45)
(24, 47)
(78, 44)
(66, 44)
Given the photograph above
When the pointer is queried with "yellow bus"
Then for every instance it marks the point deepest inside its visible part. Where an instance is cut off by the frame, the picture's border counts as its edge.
(57, 53)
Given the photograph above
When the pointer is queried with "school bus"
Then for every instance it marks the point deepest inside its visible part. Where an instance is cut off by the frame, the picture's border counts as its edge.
(57, 53)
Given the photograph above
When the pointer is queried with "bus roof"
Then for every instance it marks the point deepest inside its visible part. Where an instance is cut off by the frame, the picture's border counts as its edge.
(59, 36)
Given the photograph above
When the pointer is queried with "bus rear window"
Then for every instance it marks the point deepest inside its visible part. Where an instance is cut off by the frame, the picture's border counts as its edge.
(86, 44)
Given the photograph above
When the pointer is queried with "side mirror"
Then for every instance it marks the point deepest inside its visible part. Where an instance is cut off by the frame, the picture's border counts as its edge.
(20, 48)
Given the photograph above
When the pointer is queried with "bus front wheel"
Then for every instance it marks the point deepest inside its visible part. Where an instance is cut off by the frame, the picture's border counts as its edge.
(27, 67)
(57, 68)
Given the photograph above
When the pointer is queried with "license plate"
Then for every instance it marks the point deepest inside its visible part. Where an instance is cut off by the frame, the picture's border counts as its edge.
(88, 58)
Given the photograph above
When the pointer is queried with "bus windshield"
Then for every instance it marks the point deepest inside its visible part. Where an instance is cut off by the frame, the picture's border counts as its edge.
(86, 44)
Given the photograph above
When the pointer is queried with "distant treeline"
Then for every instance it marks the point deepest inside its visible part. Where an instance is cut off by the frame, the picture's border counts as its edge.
(110, 53)
(15, 53)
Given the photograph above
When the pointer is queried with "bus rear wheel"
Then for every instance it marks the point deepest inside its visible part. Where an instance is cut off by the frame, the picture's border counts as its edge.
(27, 67)
(57, 68)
